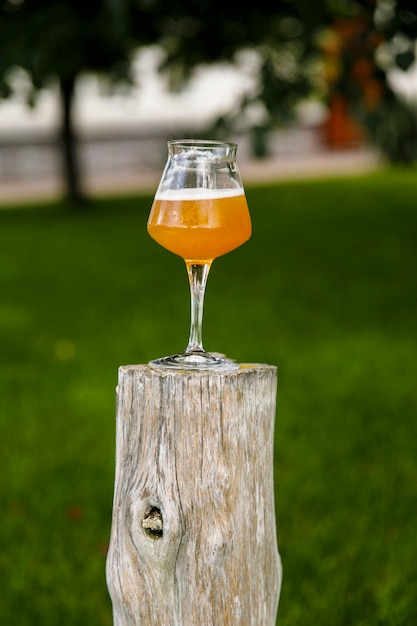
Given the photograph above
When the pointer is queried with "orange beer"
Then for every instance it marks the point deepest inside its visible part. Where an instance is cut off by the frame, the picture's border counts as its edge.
(200, 224)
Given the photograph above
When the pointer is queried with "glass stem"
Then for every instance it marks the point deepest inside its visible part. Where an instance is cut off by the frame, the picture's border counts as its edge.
(197, 275)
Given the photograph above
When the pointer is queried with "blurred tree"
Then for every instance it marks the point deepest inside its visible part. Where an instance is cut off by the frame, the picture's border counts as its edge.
(61, 39)
(58, 40)
(278, 40)
(370, 39)
(362, 52)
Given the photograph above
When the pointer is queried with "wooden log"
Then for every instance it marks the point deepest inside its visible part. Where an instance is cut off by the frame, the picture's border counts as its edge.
(193, 540)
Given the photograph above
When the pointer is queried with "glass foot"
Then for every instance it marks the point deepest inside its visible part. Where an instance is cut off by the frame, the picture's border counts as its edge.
(196, 361)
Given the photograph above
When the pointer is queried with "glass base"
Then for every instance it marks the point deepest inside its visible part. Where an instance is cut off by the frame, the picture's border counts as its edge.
(196, 361)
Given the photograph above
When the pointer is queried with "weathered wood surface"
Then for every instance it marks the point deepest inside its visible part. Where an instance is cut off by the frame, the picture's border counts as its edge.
(193, 539)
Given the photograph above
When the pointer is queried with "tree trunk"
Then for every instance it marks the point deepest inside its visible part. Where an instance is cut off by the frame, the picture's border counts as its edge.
(193, 539)
(68, 142)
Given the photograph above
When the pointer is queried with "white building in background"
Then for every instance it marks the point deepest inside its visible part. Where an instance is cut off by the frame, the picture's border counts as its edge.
(122, 128)
(148, 103)
(123, 131)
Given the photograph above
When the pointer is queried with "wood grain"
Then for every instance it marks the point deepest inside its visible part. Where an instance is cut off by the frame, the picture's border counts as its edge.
(193, 540)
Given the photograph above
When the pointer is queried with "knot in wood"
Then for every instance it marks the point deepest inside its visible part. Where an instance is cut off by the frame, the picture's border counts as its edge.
(152, 523)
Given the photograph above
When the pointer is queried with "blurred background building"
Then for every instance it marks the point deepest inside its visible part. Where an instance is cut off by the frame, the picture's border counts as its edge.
(123, 132)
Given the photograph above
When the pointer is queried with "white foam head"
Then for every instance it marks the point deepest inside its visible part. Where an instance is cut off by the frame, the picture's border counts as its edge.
(193, 193)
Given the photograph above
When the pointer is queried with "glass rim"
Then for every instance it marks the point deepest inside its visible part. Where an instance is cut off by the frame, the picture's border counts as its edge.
(202, 143)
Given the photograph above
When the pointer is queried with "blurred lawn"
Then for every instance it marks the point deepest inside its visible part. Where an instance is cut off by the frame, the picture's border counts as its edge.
(325, 289)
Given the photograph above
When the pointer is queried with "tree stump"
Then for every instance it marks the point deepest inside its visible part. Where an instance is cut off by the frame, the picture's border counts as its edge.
(193, 540)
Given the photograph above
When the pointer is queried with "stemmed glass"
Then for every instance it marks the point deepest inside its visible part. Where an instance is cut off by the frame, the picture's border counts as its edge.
(199, 213)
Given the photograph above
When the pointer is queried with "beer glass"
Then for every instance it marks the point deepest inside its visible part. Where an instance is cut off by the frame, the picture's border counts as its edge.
(199, 212)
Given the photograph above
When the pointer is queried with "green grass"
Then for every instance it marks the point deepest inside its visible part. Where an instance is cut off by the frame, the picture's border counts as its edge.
(325, 289)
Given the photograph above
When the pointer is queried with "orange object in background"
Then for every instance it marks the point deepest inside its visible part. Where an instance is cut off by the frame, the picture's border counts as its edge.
(340, 129)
